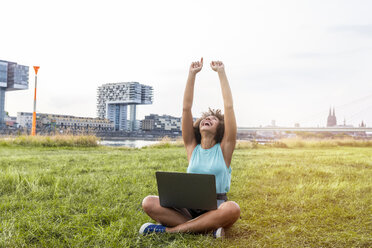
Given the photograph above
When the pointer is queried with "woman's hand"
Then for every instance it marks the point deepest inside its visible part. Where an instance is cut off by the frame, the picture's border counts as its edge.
(195, 67)
(217, 66)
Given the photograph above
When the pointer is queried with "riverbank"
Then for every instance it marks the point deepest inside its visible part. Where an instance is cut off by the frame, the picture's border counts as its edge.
(91, 196)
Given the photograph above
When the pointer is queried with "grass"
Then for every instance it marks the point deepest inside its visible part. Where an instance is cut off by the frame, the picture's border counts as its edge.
(91, 196)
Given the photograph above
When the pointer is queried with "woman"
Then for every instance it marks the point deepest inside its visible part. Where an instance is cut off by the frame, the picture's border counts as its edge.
(209, 143)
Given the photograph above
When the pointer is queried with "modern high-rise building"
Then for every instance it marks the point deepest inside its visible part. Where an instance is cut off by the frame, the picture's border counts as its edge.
(113, 100)
(12, 77)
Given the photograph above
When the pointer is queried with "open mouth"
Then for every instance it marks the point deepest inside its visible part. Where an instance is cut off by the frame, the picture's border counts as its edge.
(207, 123)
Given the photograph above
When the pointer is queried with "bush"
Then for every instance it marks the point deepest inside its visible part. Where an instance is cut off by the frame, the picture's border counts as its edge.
(279, 144)
(51, 141)
(296, 143)
(243, 144)
(167, 142)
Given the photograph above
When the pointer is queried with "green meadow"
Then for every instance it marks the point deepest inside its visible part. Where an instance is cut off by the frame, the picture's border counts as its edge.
(78, 196)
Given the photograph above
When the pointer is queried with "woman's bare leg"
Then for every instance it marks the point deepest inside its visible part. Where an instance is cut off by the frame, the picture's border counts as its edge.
(226, 215)
(165, 216)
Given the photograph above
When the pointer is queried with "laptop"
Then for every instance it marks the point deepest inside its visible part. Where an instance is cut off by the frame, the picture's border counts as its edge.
(187, 190)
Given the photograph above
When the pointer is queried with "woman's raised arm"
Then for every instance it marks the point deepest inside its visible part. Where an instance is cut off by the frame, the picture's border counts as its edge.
(229, 139)
(187, 120)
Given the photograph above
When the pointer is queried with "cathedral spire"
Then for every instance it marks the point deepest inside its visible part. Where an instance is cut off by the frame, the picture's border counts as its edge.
(331, 120)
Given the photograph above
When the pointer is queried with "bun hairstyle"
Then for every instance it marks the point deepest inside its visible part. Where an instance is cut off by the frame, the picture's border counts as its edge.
(220, 129)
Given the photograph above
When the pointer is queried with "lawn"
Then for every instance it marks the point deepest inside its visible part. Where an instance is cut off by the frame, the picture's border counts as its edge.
(91, 197)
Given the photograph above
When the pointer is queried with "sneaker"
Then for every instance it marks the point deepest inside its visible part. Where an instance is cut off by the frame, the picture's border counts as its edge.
(148, 228)
(219, 233)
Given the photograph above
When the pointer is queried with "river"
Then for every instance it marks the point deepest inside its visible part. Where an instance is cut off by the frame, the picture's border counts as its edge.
(128, 143)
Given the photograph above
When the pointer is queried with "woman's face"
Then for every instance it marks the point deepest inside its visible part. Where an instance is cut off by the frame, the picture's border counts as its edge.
(209, 124)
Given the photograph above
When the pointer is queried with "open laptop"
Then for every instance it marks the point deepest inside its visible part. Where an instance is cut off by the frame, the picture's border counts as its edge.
(187, 190)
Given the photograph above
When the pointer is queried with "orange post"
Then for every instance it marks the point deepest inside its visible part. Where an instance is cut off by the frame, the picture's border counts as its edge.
(33, 130)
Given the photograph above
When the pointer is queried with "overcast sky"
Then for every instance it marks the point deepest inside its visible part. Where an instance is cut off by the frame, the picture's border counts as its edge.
(287, 61)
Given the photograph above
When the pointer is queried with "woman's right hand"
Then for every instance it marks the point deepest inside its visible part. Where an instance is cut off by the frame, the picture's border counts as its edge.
(217, 66)
(195, 67)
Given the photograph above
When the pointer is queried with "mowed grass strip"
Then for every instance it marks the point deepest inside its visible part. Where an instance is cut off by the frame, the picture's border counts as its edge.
(91, 197)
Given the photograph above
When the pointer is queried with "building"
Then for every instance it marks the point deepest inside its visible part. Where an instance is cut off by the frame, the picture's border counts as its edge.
(24, 120)
(331, 120)
(164, 123)
(148, 124)
(10, 121)
(12, 77)
(362, 124)
(113, 100)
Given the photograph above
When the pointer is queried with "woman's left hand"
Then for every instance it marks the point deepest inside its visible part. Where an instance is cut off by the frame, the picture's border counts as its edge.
(217, 66)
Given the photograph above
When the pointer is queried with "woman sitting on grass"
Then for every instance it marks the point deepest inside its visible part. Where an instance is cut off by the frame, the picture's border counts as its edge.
(209, 143)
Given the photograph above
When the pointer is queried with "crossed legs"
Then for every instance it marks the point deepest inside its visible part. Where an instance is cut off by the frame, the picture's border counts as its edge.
(225, 216)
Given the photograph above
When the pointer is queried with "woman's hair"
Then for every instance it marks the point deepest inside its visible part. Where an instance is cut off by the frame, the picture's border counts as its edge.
(220, 129)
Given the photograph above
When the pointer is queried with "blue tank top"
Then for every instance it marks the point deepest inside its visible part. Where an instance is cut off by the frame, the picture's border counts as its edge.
(211, 161)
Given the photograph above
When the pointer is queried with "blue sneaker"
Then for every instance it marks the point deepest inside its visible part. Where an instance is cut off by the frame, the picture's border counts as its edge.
(148, 228)
(219, 233)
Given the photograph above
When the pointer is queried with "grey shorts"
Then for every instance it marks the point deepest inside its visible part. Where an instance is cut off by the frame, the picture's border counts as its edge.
(193, 213)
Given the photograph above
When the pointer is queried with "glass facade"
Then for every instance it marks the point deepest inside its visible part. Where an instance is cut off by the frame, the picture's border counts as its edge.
(3, 74)
(117, 116)
(2, 103)
(17, 77)
(117, 113)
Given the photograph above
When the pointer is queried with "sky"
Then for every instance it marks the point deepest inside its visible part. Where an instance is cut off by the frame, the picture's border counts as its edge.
(287, 61)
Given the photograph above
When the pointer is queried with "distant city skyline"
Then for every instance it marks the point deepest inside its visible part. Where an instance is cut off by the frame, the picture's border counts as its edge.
(287, 61)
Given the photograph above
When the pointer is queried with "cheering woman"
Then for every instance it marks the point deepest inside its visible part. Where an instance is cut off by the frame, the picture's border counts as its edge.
(209, 143)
